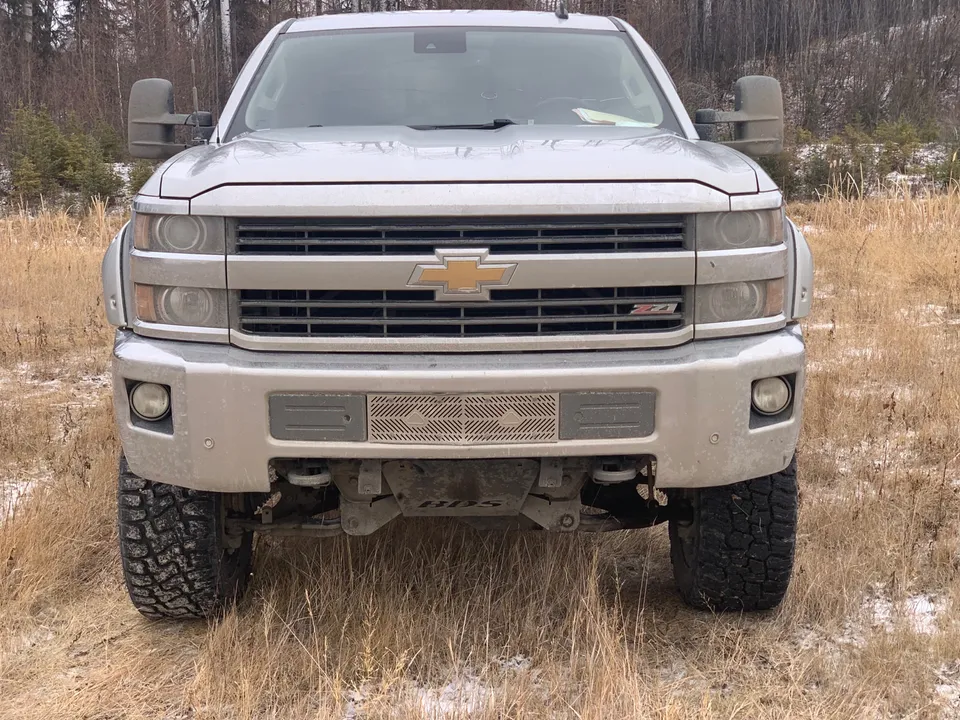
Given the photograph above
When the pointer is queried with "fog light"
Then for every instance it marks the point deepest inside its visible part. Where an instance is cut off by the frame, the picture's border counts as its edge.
(150, 401)
(771, 395)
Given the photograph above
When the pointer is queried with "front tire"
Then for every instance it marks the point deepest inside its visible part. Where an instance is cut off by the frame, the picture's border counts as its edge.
(178, 561)
(732, 547)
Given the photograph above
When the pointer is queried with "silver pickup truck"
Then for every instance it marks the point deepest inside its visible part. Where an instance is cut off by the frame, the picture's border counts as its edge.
(479, 265)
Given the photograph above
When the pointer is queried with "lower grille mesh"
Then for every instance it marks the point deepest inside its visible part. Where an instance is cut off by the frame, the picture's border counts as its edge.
(462, 419)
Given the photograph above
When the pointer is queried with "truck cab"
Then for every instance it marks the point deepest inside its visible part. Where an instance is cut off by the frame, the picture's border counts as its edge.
(471, 264)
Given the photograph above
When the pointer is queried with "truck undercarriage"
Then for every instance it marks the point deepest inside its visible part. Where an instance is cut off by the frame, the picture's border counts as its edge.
(560, 494)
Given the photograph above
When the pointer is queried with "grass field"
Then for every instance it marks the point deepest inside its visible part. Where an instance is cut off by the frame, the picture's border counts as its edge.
(436, 620)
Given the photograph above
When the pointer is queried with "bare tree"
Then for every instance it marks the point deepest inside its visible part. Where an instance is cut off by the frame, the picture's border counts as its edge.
(840, 61)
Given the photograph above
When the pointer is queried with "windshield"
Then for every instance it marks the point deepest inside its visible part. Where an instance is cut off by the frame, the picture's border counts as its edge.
(433, 78)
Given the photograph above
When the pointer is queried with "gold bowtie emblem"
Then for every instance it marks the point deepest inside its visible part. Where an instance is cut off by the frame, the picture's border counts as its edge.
(462, 273)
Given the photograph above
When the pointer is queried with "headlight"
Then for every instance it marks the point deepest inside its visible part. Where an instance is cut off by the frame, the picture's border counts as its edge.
(195, 307)
(740, 229)
(178, 233)
(732, 302)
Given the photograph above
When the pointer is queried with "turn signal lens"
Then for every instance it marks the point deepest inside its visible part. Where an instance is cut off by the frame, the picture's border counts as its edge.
(774, 304)
(146, 310)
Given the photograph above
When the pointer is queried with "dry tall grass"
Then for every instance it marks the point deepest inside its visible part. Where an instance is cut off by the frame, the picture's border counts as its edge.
(534, 626)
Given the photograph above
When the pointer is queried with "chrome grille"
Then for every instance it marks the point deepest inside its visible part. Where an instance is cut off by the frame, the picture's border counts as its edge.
(532, 236)
(462, 419)
(411, 313)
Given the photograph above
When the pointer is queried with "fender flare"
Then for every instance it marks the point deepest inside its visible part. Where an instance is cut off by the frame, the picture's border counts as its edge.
(111, 277)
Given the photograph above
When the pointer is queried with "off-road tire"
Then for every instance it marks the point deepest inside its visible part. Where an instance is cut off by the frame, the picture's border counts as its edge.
(176, 558)
(732, 547)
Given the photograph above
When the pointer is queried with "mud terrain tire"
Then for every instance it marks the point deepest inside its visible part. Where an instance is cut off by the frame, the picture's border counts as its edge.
(734, 548)
(177, 562)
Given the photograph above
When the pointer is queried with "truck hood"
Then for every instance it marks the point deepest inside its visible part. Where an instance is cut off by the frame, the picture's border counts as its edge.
(344, 156)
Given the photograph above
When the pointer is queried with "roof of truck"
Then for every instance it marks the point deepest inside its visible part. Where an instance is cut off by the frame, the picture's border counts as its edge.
(450, 18)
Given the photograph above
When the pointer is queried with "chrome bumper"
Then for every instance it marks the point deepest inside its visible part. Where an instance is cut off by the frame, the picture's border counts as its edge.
(221, 439)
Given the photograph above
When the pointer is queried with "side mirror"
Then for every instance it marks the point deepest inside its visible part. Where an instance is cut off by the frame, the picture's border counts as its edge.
(151, 121)
(757, 117)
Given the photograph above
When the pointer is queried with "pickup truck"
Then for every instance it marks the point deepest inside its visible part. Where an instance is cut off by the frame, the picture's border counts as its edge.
(468, 264)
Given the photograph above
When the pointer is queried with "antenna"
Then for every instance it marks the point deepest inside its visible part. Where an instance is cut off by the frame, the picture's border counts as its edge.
(196, 100)
(561, 11)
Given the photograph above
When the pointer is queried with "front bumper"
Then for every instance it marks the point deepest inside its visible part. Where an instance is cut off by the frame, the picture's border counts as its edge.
(221, 441)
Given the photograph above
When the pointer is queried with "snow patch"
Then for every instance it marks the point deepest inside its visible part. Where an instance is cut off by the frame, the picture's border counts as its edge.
(929, 315)
(16, 487)
(82, 387)
(919, 613)
(465, 696)
(516, 663)
(122, 170)
(947, 689)
(899, 393)
(824, 293)
(897, 450)
(461, 697)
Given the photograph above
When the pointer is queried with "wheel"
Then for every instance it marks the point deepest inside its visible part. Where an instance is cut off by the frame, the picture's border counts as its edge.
(732, 547)
(178, 561)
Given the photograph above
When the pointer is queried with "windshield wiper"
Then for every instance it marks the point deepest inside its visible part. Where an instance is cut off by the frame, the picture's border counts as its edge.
(492, 125)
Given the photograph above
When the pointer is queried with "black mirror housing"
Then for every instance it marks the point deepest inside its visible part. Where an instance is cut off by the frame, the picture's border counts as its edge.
(200, 119)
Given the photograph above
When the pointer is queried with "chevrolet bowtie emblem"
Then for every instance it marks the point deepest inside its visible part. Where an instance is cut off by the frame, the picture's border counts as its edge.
(462, 275)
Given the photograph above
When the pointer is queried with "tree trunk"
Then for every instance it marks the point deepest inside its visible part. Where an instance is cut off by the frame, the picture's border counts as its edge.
(226, 39)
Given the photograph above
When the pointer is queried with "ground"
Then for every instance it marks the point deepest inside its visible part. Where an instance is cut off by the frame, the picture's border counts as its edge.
(436, 620)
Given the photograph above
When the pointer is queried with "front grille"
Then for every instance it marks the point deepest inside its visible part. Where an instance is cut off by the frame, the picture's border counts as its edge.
(410, 313)
(462, 419)
(530, 236)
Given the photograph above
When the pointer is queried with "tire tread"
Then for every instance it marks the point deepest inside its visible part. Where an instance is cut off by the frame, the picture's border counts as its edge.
(746, 542)
(174, 563)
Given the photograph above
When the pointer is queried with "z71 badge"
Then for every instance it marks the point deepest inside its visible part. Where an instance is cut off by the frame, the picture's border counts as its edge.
(654, 309)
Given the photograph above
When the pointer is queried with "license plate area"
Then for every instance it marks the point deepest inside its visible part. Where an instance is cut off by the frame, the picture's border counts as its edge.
(474, 488)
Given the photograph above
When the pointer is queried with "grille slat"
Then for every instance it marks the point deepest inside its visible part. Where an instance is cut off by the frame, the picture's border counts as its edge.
(327, 313)
(403, 237)
(389, 322)
(415, 303)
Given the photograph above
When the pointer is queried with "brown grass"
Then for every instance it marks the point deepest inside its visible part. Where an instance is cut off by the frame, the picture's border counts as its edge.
(378, 626)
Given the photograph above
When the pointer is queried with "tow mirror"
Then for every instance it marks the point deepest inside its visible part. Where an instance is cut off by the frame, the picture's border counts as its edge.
(757, 117)
(151, 121)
